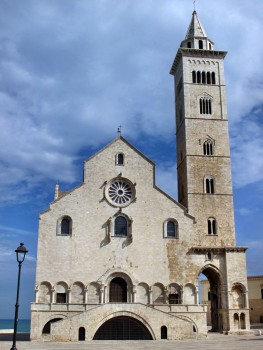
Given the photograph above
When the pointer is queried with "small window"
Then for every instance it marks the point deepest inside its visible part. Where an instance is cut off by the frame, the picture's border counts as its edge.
(171, 229)
(208, 148)
(208, 78)
(163, 332)
(194, 76)
(209, 185)
(203, 77)
(65, 226)
(205, 105)
(174, 299)
(119, 159)
(209, 256)
(210, 46)
(61, 298)
(198, 75)
(189, 45)
(261, 293)
(200, 44)
(120, 226)
(211, 226)
(213, 78)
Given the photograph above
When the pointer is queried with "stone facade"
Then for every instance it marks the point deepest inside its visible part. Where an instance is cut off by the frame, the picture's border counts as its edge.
(255, 297)
(123, 252)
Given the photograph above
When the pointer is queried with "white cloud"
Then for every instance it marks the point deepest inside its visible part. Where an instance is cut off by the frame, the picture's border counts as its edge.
(247, 153)
(71, 72)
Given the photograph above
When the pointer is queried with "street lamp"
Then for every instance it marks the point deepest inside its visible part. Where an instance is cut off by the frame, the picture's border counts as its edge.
(20, 257)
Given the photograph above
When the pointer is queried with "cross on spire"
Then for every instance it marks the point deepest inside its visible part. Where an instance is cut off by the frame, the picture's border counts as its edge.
(119, 129)
(194, 4)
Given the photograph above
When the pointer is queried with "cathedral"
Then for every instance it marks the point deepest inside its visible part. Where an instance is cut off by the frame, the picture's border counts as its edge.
(124, 258)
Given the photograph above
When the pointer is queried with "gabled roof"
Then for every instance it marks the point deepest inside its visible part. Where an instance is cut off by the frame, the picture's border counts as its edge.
(195, 28)
(127, 143)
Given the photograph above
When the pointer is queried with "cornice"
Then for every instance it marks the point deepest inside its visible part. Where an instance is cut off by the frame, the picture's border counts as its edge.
(218, 250)
(197, 54)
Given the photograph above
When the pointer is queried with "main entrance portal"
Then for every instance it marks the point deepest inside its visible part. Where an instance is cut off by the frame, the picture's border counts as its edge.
(123, 328)
(118, 291)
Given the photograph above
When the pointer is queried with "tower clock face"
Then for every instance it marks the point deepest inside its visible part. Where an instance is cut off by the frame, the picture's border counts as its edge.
(120, 192)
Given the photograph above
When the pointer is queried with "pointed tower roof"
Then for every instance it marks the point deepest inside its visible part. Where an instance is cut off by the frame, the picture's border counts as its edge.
(195, 28)
(196, 37)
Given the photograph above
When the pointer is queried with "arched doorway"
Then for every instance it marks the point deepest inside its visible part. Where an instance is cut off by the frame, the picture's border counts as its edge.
(82, 333)
(122, 328)
(214, 298)
(118, 290)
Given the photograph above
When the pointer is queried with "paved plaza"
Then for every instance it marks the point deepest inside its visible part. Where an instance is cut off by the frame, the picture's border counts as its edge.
(213, 341)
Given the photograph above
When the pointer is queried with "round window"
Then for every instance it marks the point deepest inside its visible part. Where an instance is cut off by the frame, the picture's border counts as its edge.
(120, 192)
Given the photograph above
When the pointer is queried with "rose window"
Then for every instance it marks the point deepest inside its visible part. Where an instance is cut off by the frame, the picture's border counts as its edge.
(120, 192)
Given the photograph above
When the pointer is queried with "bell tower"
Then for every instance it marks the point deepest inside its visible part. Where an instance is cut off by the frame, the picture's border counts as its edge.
(203, 155)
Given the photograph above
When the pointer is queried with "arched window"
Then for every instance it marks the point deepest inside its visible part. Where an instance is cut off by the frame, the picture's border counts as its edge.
(209, 256)
(163, 332)
(209, 185)
(208, 148)
(198, 77)
(171, 229)
(203, 78)
(205, 105)
(65, 227)
(211, 226)
(194, 76)
(121, 226)
(210, 46)
(189, 45)
(209, 106)
(208, 78)
(200, 43)
(213, 78)
(119, 159)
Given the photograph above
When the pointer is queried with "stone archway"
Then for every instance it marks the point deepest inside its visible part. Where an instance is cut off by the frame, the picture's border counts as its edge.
(215, 298)
(118, 290)
(123, 328)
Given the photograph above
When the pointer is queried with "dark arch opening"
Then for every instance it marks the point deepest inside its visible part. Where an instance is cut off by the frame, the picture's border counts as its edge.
(214, 298)
(122, 328)
(82, 333)
(46, 329)
(163, 332)
(118, 291)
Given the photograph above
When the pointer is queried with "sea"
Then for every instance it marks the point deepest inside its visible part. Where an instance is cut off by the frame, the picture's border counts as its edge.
(23, 326)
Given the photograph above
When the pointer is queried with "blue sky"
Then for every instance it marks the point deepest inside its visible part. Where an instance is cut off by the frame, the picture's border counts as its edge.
(72, 71)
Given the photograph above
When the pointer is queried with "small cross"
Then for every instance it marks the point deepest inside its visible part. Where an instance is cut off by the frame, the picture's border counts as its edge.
(194, 4)
(119, 130)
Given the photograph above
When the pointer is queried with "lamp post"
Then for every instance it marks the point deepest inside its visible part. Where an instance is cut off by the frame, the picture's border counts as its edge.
(20, 257)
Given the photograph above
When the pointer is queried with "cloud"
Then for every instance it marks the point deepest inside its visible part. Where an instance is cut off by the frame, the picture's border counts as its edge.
(71, 72)
(247, 153)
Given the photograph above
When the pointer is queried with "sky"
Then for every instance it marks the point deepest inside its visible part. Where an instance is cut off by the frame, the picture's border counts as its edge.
(72, 71)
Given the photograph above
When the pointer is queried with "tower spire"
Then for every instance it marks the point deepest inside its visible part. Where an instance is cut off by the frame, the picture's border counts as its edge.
(196, 37)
